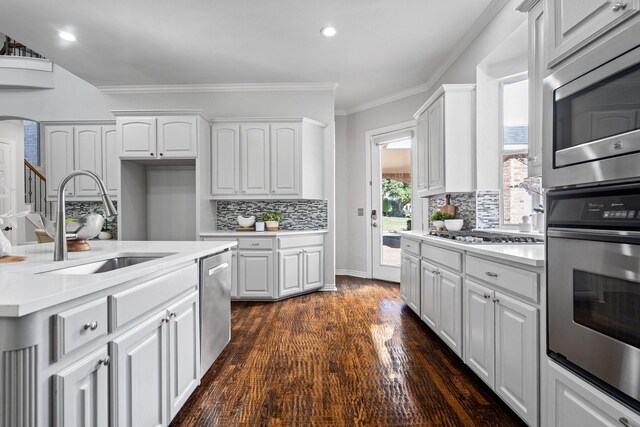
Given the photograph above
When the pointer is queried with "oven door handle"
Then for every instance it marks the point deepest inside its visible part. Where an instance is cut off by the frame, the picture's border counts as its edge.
(612, 236)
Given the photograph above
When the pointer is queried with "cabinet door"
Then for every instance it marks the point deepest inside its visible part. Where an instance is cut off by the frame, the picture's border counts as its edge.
(254, 152)
(137, 137)
(517, 356)
(110, 160)
(537, 67)
(290, 273)
(414, 284)
(422, 152)
(225, 160)
(573, 24)
(139, 388)
(313, 268)
(573, 402)
(405, 278)
(234, 274)
(435, 134)
(285, 159)
(450, 310)
(479, 335)
(184, 351)
(177, 137)
(58, 141)
(82, 392)
(429, 303)
(255, 274)
(88, 156)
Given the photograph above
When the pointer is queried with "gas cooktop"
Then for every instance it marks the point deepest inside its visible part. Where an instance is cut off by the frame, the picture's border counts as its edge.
(484, 237)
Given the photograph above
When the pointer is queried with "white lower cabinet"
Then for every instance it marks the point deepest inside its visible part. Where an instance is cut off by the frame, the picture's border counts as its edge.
(156, 366)
(501, 336)
(290, 273)
(81, 392)
(255, 274)
(139, 388)
(441, 306)
(313, 272)
(410, 281)
(234, 274)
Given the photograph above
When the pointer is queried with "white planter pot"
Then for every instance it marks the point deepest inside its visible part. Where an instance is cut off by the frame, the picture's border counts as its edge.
(438, 224)
(271, 225)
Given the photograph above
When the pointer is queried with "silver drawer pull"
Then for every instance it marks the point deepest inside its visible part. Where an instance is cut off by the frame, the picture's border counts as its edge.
(105, 361)
(496, 300)
(91, 326)
(620, 5)
(165, 319)
(625, 422)
(174, 314)
(486, 296)
(214, 270)
(491, 274)
(255, 244)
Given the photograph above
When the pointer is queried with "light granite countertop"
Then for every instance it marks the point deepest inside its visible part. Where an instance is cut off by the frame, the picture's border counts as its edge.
(236, 234)
(29, 286)
(531, 254)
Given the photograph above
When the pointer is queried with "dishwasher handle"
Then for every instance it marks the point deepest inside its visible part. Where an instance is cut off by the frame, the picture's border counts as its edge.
(220, 267)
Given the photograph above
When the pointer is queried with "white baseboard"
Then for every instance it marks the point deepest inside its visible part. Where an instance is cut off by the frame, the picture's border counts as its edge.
(328, 287)
(354, 273)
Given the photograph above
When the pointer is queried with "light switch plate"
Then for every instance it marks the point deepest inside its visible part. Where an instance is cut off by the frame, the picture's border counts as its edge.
(360, 211)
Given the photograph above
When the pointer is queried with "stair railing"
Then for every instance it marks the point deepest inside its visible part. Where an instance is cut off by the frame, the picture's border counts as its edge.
(35, 190)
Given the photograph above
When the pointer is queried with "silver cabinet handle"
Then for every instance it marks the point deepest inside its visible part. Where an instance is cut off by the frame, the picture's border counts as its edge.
(486, 296)
(174, 314)
(105, 361)
(373, 224)
(165, 319)
(620, 5)
(496, 300)
(491, 274)
(161, 154)
(214, 270)
(151, 154)
(625, 422)
(92, 326)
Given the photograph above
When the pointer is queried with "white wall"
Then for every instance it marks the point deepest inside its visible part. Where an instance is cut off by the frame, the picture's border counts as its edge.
(342, 198)
(463, 70)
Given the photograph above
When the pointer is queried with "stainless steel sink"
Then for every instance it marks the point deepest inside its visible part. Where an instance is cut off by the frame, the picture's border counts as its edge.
(107, 265)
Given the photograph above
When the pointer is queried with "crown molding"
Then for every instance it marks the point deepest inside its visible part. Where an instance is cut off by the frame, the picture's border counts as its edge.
(340, 113)
(527, 5)
(216, 120)
(442, 90)
(207, 88)
(152, 112)
(478, 26)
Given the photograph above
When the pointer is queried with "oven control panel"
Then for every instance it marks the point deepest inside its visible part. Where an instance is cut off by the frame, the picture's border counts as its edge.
(611, 208)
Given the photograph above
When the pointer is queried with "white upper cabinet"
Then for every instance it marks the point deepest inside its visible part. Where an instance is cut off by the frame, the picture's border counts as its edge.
(110, 159)
(574, 24)
(91, 147)
(58, 144)
(177, 137)
(275, 159)
(159, 134)
(254, 149)
(137, 137)
(88, 156)
(446, 140)
(285, 164)
(225, 160)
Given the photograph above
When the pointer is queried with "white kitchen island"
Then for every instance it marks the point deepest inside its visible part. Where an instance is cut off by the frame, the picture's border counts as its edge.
(120, 347)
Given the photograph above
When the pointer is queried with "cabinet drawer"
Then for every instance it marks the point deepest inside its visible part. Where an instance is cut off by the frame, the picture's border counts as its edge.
(79, 325)
(255, 243)
(444, 257)
(300, 241)
(512, 279)
(410, 246)
(134, 302)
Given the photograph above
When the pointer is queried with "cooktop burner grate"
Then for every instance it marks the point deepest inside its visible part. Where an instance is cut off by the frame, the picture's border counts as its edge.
(484, 237)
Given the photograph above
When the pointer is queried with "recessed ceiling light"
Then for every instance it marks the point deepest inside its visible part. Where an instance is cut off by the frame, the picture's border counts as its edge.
(328, 31)
(64, 35)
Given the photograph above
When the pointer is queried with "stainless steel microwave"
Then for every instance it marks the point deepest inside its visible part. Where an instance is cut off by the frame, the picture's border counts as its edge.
(592, 123)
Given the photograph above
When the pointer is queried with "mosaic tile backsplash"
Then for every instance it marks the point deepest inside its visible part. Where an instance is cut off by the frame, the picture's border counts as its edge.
(296, 214)
(76, 209)
(487, 209)
(466, 204)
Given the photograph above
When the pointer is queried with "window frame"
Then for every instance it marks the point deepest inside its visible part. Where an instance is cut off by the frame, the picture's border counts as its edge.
(515, 78)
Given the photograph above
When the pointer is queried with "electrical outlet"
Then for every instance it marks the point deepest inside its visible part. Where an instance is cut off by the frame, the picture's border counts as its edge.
(360, 211)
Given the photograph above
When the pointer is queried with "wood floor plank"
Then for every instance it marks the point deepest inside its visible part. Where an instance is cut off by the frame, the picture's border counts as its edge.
(356, 357)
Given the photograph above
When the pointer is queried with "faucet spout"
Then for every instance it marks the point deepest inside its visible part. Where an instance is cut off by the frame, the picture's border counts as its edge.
(60, 243)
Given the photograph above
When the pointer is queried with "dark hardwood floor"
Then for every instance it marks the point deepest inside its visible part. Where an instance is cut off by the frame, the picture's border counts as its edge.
(356, 357)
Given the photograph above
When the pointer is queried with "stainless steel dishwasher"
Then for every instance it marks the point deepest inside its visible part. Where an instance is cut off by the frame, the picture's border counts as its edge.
(215, 307)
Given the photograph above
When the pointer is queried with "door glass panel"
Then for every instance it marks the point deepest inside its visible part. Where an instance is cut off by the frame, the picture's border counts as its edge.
(608, 305)
(395, 162)
(609, 107)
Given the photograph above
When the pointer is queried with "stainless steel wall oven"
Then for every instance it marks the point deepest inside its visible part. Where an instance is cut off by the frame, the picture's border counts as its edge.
(593, 280)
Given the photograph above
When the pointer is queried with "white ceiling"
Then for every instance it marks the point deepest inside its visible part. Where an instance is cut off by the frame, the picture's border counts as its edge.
(382, 46)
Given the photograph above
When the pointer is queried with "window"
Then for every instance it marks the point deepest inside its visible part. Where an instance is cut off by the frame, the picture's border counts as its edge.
(516, 200)
(32, 142)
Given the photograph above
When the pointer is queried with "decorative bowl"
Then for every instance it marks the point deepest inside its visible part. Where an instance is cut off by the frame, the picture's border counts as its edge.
(246, 222)
(438, 225)
(454, 224)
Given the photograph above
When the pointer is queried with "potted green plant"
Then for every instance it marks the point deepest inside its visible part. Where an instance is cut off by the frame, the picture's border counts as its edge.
(272, 220)
(438, 218)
